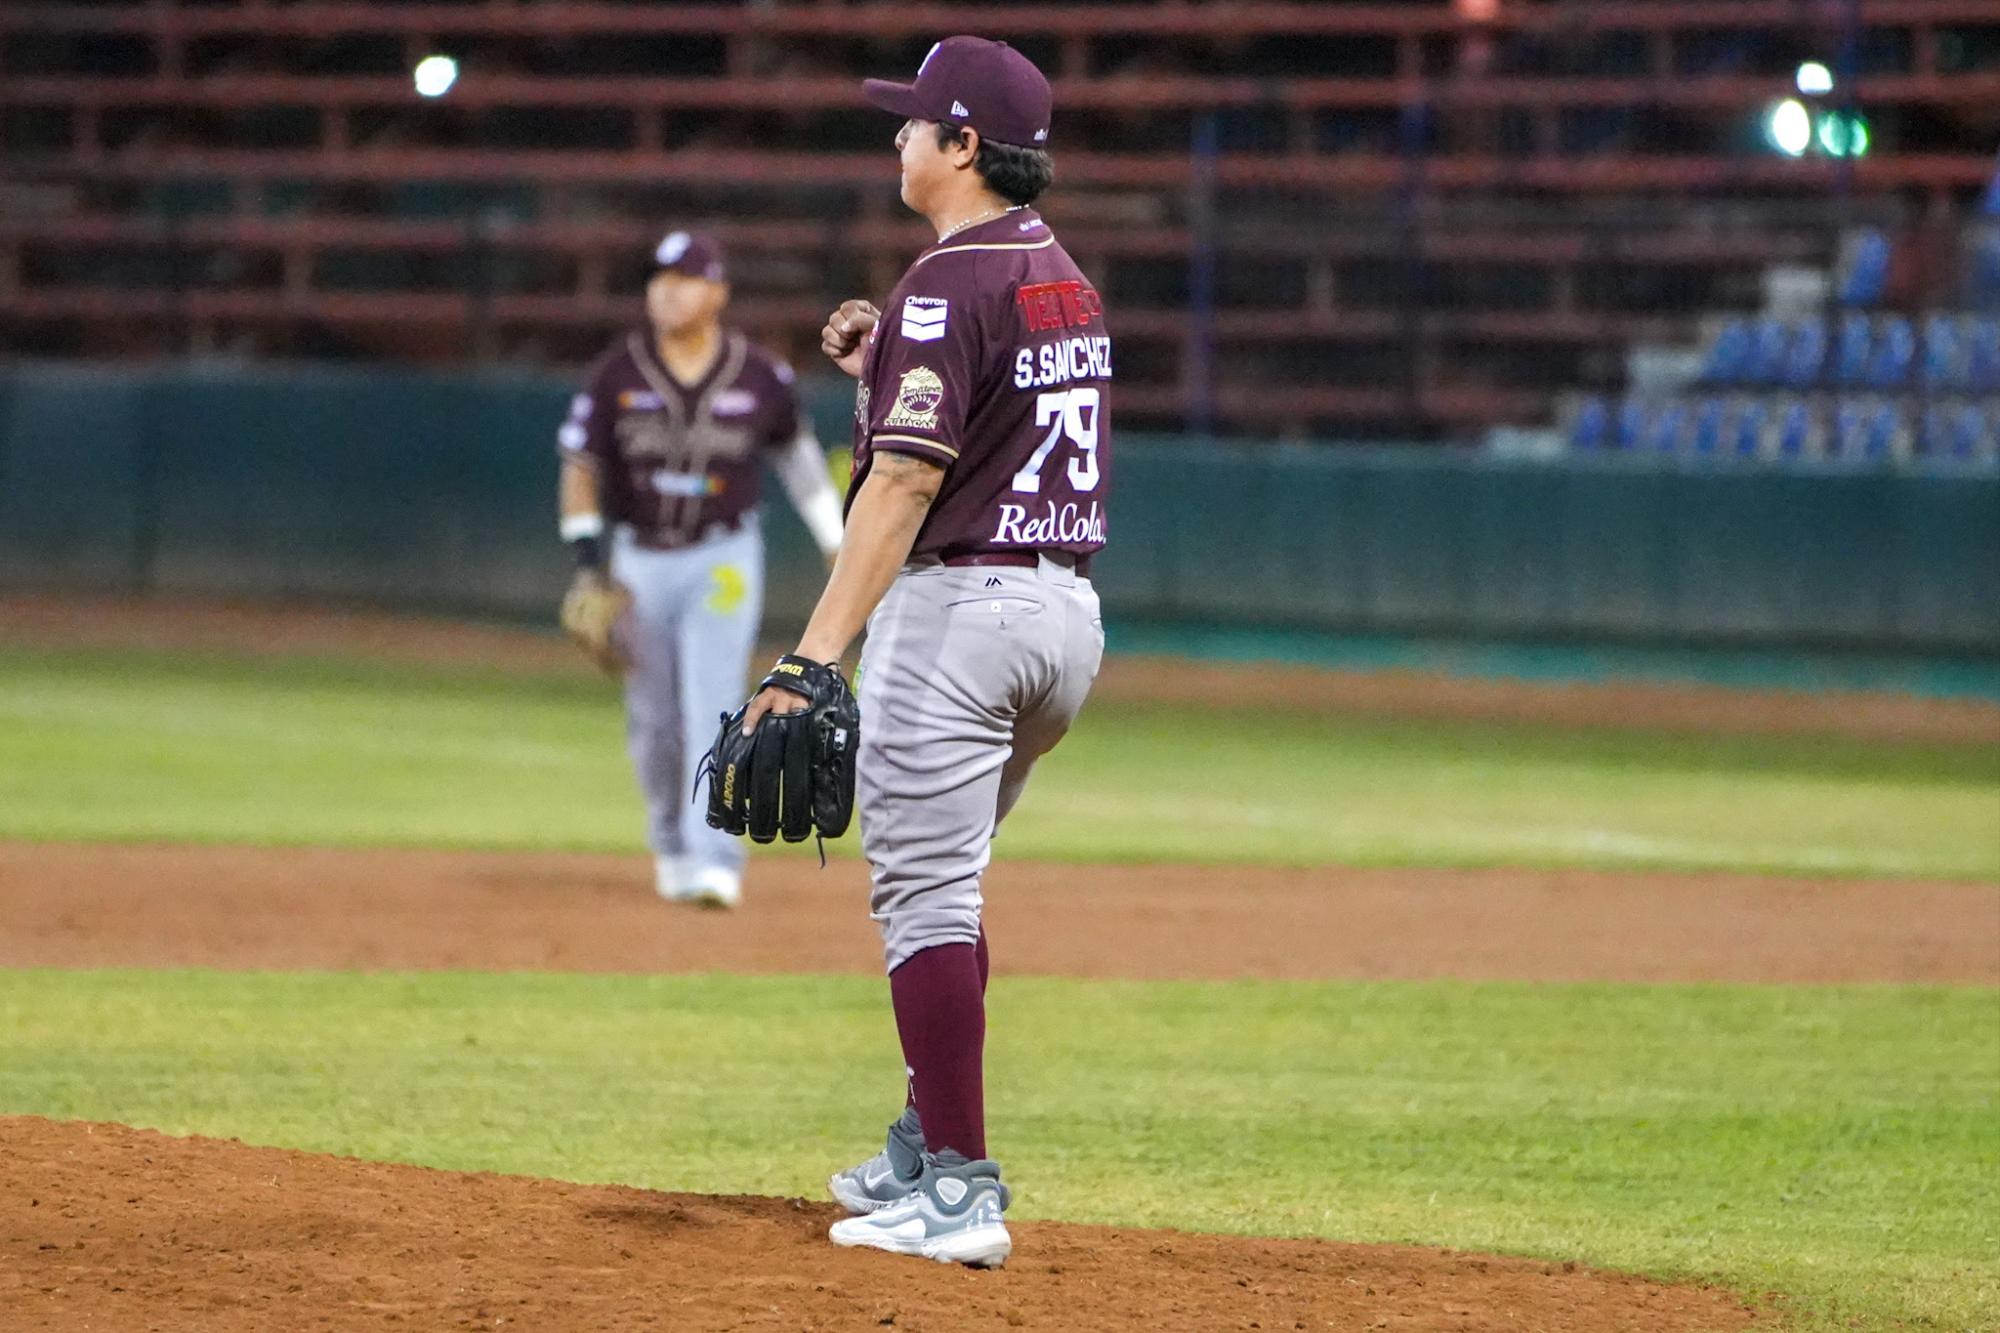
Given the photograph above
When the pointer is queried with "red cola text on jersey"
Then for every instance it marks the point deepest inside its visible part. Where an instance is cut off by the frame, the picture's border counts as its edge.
(993, 361)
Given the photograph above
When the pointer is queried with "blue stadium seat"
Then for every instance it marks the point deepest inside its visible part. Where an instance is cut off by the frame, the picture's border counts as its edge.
(1982, 361)
(1983, 268)
(1769, 341)
(1952, 431)
(1795, 429)
(1729, 354)
(1746, 432)
(1632, 418)
(1880, 426)
(1709, 419)
(1850, 428)
(1867, 270)
(1668, 428)
(1895, 351)
(1592, 428)
(1850, 358)
(1944, 353)
(1805, 360)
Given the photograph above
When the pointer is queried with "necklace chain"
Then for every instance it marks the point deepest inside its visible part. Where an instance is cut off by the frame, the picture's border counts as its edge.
(987, 216)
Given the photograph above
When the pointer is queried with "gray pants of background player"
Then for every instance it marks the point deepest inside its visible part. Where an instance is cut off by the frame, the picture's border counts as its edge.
(968, 677)
(693, 619)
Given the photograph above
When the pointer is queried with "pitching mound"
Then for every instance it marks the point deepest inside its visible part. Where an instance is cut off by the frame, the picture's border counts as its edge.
(110, 1227)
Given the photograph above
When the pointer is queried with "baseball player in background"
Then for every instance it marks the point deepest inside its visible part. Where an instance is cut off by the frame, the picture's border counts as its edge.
(662, 472)
(981, 467)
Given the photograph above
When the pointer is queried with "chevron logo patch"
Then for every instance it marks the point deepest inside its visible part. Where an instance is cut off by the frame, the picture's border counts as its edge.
(924, 318)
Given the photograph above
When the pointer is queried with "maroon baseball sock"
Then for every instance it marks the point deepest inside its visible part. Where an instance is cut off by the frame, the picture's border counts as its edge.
(941, 1017)
(979, 952)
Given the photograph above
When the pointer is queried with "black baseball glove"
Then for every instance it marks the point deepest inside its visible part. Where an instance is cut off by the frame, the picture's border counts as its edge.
(794, 774)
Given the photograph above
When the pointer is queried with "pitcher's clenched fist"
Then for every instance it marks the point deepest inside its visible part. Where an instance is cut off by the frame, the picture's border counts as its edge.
(844, 339)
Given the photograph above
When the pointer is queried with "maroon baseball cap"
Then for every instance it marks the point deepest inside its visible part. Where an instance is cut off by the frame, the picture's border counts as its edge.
(970, 81)
(690, 254)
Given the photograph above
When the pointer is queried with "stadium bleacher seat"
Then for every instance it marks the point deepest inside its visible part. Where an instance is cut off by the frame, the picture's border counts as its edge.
(1770, 340)
(1982, 361)
(1729, 354)
(1954, 432)
(1710, 416)
(1881, 424)
(1983, 268)
(1591, 430)
(1893, 354)
(1850, 358)
(1850, 424)
(1867, 270)
(1668, 428)
(1632, 422)
(1944, 353)
(1747, 431)
(1795, 429)
(1805, 361)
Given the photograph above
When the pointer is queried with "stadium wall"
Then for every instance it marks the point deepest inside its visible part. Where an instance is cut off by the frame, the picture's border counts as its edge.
(435, 491)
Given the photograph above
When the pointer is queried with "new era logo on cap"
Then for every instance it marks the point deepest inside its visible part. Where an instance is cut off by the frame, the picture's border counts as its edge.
(691, 254)
(1013, 96)
(924, 318)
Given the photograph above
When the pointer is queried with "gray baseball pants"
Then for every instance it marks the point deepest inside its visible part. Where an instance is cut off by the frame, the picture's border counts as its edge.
(969, 675)
(692, 624)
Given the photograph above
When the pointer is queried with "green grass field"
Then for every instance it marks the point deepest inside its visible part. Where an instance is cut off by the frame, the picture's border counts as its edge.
(1837, 1145)
(97, 745)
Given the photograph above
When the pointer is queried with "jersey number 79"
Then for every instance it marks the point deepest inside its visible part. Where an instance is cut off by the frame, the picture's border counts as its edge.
(1069, 414)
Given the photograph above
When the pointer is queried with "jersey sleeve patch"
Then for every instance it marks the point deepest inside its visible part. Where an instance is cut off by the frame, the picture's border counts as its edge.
(924, 318)
(919, 395)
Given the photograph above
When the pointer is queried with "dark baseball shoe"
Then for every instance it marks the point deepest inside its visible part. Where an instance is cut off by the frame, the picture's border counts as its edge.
(953, 1216)
(889, 1175)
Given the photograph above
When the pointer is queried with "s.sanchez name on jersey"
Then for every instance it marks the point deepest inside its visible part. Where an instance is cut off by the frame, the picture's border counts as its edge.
(992, 360)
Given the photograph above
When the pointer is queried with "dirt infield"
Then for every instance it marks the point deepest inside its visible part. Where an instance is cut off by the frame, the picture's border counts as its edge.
(115, 1228)
(234, 907)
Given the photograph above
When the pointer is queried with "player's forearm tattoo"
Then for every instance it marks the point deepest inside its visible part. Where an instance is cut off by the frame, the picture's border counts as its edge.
(908, 472)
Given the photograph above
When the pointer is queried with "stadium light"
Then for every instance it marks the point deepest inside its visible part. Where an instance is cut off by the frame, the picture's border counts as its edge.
(435, 75)
(1788, 125)
(1815, 79)
(1843, 135)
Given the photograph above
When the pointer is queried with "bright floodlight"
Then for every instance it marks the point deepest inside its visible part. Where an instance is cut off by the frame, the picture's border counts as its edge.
(435, 75)
(1842, 135)
(1789, 127)
(1815, 79)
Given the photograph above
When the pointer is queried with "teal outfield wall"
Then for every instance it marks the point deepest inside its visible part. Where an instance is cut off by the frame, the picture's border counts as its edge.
(437, 491)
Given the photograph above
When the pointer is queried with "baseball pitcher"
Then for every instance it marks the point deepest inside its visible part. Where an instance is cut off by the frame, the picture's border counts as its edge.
(662, 471)
(981, 468)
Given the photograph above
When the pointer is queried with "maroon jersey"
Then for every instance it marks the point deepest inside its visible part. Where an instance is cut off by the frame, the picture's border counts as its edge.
(674, 459)
(992, 359)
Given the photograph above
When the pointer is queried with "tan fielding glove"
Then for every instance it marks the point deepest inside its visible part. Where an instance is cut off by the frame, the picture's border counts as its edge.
(590, 612)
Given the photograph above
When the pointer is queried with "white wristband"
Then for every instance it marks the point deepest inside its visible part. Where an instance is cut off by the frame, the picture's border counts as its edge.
(575, 527)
